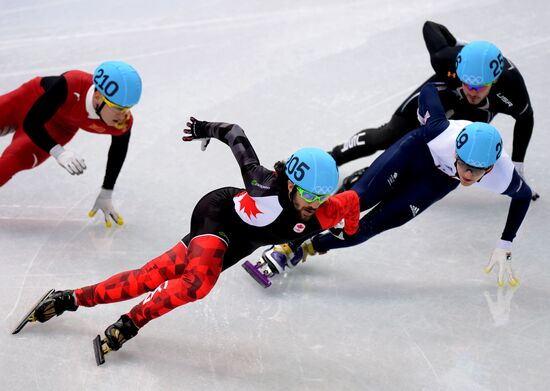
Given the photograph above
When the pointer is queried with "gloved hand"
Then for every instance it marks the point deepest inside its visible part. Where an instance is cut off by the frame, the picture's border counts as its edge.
(520, 169)
(196, 130)
(502, 256)
(300, 255)
(69, 160)
(7, 129)
(105, 204)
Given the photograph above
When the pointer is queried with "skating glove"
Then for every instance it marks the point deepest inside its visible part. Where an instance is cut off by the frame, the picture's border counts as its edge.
(196, 130)
(306, 249)
(520, 169)
(105, 204)
(502, 256)
(69, 160)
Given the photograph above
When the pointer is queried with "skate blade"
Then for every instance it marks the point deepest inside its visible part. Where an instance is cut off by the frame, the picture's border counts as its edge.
(256, 274)
(29, 316)
(100, 350)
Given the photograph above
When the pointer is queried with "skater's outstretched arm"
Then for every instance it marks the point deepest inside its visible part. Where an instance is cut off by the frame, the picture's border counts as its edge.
(442, 46)
(430, 111)
(234, 136)
(34, 124)
(520, 193)
(115, 159)
(340, 206)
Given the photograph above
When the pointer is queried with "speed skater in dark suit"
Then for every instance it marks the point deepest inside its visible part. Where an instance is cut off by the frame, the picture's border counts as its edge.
(45, 113)
(419, 170)
(475, 82)
(292, 202)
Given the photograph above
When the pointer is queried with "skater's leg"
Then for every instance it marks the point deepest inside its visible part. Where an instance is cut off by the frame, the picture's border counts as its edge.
(21, 154)
(203, 265)
(15, 105)
(133, 283)
(396, 209)
(120, 287)
(202, 268)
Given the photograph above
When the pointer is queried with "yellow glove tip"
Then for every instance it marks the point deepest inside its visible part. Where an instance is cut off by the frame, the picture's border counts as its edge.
(514, 282)
(108, 224)
(487, 270)
(501, 283)
(91, 213)
(120, 221)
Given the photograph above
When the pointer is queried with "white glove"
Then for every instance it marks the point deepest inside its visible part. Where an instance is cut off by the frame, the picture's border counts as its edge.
(105, 204)
(502, 255)
(69, 160)
(6, 130)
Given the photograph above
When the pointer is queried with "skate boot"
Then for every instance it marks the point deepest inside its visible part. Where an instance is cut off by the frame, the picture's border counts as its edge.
(276, 258)
(7, 129)
(273, 261)
(115, 336)
(351, 179)
(53, 303)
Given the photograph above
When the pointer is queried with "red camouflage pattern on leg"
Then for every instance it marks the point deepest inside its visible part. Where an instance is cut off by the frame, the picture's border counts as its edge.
(133, 283)
(203, 266)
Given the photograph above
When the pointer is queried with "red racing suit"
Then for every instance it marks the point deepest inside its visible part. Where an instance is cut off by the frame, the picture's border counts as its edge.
(46, 111)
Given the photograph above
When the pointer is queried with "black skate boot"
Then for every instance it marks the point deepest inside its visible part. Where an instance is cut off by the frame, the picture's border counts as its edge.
(115, 336)
(53, 303)
(350, 180)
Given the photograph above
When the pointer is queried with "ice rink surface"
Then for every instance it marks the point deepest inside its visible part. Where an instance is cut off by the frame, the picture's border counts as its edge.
(409, 310)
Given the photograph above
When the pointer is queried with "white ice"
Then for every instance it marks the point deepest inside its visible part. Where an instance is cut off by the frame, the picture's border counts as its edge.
(409, 310)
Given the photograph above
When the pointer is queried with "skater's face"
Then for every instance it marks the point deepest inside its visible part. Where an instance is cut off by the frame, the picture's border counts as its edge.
(475, 94)
(469, 175)
(111, 114)
(305, 209)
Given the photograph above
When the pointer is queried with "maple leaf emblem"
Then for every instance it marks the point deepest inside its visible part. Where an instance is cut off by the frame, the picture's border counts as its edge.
(248, 205)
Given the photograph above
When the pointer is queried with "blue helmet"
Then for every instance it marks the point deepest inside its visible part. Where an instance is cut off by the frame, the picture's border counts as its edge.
(479, 63)
(479, 145)
(118, 82)
(313, 170)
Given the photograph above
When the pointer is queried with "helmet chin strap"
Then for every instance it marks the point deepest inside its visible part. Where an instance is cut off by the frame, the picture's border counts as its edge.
(99, 107)
(98, 110)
